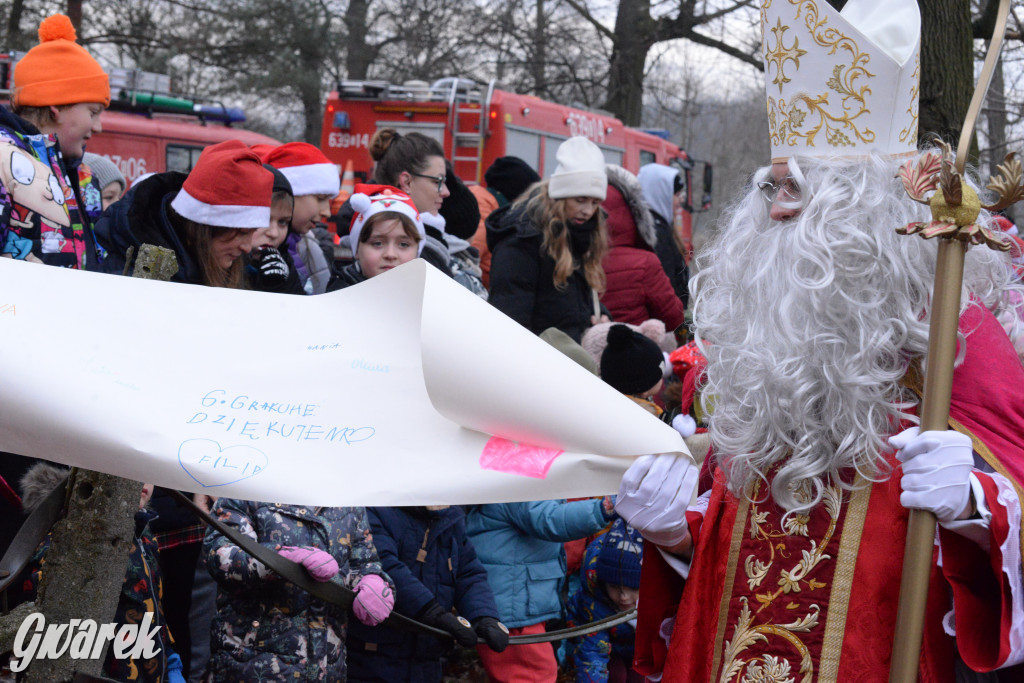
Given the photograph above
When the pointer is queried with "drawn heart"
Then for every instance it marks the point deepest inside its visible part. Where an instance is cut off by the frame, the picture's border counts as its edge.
(513, 457)
(210, 465)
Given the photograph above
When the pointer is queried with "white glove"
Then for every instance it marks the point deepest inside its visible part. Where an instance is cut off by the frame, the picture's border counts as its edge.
(654, 494)
(936, 471)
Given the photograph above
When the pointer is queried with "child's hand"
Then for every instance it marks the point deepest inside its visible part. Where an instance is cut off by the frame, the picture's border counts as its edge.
(435, 615)
(608, 508)
(374, 600)
(271, 265)
(319, 563)
(493, 632)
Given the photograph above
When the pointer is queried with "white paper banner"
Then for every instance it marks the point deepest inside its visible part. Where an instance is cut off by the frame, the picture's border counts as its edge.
(387, 393)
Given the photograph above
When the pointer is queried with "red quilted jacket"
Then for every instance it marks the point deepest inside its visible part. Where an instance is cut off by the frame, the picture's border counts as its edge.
(638, 288)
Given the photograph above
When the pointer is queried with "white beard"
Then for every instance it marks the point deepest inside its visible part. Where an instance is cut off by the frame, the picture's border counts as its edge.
(810, 324)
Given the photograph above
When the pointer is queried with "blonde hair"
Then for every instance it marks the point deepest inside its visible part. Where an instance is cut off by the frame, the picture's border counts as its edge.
(40, 117)
(549, 216)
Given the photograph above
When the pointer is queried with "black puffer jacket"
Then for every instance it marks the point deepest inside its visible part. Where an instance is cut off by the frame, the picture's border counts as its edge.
(142, 216)
(671, 258)
(346, 277)
(522, 276)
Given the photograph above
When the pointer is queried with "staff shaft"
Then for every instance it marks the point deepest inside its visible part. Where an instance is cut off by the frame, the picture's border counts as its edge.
(938, 389)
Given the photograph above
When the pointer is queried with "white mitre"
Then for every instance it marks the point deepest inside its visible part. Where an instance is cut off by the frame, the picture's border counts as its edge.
(841, 83)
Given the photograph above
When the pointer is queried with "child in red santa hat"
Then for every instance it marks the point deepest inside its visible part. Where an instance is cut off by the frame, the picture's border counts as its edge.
(315, 182)
(386, 232)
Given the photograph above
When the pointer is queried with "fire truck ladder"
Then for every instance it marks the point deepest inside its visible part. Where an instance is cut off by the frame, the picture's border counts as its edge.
(467, 100)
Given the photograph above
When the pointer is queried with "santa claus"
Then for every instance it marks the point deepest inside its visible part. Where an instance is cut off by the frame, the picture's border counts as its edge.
(781, 560)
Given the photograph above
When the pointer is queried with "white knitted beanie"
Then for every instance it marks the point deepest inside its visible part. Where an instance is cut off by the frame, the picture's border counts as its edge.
(580, 171)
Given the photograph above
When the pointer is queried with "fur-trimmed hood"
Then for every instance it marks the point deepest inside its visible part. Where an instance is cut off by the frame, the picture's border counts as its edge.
(621, 231)
(37, 483)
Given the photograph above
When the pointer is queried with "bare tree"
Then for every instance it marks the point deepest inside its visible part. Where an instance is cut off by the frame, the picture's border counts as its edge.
(641, 24)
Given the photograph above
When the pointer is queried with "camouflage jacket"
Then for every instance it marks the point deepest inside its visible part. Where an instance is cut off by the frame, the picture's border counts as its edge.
(267, 629)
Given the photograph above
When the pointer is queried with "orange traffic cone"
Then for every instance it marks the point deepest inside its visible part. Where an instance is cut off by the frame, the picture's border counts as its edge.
(348, 182)
(348, 186)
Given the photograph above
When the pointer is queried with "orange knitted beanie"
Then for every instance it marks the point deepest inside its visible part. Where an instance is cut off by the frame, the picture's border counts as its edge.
(58, 70)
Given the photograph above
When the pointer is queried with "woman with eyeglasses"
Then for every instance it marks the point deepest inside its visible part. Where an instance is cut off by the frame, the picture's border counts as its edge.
(547, 247)
(414, 163)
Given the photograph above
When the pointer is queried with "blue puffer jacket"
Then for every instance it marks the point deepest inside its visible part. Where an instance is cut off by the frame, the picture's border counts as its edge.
(520, 545)
(449, 573)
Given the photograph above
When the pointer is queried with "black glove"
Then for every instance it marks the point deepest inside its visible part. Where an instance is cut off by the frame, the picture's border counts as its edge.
(493, 632)
(271, 266)
(435, 615)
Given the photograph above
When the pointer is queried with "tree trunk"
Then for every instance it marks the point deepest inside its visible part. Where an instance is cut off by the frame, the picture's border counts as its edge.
(359, 54)
(85, 565)
(15, 39)
(634, 37)
(75, 14)
(947, 68)
(996, 109)
(540, 55)
(311, 64)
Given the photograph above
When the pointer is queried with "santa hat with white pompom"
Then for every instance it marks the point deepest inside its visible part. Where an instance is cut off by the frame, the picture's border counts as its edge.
(370, 200)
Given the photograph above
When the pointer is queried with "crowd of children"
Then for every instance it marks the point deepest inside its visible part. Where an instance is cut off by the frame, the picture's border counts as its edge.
(251, 218)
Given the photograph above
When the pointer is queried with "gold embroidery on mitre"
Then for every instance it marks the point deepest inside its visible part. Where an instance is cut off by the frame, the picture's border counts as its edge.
(782, 54)
(838, 117)
(909, 134)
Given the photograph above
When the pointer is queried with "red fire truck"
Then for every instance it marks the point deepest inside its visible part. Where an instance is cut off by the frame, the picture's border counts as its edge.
(147, 129)
(477, 123)
(146, 141)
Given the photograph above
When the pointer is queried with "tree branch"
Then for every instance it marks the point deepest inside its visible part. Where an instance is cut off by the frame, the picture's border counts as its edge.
(727, 49)
(585, 13)
(705, 18)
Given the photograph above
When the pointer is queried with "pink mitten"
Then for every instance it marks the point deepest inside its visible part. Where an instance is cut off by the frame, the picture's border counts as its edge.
(374, 600)
(319, 563)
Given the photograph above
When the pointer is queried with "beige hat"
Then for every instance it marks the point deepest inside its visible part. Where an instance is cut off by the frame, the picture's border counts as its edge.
(580, 171)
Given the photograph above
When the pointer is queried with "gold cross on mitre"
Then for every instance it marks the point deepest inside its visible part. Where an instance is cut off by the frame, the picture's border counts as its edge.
(841, 83)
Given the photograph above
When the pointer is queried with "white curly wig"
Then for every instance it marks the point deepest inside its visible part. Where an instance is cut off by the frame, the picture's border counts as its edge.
(809, 325)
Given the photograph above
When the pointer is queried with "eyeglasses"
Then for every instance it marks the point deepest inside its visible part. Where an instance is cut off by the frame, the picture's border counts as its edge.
(439, 179)
(787, 190)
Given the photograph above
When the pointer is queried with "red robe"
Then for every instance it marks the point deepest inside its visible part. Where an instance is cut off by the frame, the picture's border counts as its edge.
(815, 598)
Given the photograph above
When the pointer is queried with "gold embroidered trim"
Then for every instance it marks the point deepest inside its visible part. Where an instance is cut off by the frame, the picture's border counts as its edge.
(909, 134)
(730, 575)
(745, 633)
(842, 583)
(981, 449)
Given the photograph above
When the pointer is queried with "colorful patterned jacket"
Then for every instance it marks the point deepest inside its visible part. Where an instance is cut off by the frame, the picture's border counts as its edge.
(267, 629)
(41, 216)
(591, 603)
